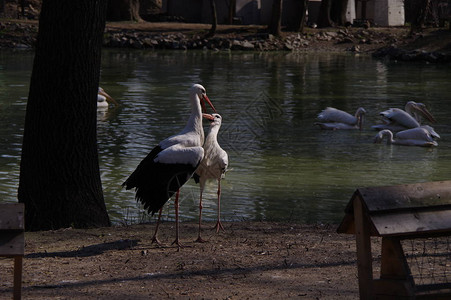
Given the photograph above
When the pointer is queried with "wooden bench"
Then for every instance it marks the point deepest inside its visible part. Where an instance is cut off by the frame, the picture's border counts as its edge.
(12, 240)
(397, 213)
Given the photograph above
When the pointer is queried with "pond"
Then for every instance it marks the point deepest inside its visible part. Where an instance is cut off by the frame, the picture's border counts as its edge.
(282, 166)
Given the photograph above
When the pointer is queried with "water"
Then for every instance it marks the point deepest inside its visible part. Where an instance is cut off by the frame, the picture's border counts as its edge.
(282, 166)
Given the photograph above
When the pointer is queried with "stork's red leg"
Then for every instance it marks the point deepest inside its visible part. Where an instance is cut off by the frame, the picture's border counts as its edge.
(218, 225)
(177, 241)
(199, 238)
(155, 238)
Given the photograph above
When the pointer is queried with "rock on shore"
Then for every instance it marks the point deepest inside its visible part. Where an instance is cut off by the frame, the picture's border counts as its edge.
(382, 43)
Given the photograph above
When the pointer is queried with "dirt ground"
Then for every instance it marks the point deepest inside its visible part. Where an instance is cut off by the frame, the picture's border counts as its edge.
(249, 260)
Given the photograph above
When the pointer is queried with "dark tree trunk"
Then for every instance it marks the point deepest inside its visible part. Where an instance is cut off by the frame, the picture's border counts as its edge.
(232, 9)
(303, 5)
(214, 19)
(276, 17)
(2, 8)
(421, 9)
(324, 19)
(22, 8)
(338, 11)
(59, 172)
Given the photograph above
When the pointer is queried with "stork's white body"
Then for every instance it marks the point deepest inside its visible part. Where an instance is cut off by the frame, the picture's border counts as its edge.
(172, 163)
(213, 166)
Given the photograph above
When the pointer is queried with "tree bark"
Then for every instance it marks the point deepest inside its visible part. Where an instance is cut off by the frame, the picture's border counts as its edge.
(324, 19)
(2, 8)
(276, 17)
(59, 172)
(303, 6)
(232, 9)
(421, 9)
(339, 11)
(214, 19)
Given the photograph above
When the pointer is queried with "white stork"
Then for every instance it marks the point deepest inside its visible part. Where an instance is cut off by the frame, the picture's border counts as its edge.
(411, 137)
(172, 163)
(103, 99)
(334, 119)
(396, 119)
(213, 166)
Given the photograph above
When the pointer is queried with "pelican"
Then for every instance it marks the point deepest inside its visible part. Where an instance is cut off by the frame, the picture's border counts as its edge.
(103, 99)
(171, 163)
(334, 119)
(411, 137)
(213, 166)
(396, 119)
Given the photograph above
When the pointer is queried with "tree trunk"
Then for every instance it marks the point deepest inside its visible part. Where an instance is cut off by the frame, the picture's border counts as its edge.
(303, 5)
(214, 19)
(421, 9)
(324, 14)
(232, 9)
(2, 8)
(339, 11)
(276, 17)
(59, 172)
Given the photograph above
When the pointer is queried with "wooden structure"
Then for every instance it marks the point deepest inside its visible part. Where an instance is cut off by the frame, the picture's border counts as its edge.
(395, 213)
(12, 240)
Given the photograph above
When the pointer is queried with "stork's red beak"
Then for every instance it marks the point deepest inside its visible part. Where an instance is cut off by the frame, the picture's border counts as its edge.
(204, 99)
(208, 117)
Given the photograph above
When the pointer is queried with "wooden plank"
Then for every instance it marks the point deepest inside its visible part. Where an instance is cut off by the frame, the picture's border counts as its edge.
(408, 196)
(412, 223)
(364, 255)
(12, 216)
(12, 243)
(393, 262)
(17, 293)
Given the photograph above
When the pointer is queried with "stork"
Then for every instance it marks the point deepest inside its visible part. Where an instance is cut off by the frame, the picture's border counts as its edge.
(171, 163)
(396, 119)
(213, 166)
(333, 119)
(103, 99)
(411, 137)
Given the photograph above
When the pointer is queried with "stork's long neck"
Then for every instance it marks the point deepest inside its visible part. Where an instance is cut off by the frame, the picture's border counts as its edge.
(194, 123)
(213, 134)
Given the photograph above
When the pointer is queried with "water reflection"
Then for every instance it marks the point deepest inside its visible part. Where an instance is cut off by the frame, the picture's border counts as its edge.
(283, 167)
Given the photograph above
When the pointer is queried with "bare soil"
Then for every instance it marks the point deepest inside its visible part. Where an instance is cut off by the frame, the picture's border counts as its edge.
(249, 260)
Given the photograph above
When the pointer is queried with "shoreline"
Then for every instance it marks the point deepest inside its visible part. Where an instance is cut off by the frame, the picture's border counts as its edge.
(432, 45)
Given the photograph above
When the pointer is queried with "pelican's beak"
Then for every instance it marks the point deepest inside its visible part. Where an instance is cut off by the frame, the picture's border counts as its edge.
(204, 99)
(109, 99)
(421, 108)
(208, 117)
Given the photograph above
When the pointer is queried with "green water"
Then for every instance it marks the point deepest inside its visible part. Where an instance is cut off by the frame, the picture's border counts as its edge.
(282, 166)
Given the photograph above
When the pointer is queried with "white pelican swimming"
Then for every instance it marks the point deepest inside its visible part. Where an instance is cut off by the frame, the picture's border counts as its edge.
(396, 119)
(411, 137)
(103, 99)
(333, 119)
